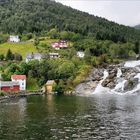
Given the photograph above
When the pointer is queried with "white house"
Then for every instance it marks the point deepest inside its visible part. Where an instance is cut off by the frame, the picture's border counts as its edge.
(54, 55)
(33, 56)
(14, 39)
(80, 54)
(21, 79)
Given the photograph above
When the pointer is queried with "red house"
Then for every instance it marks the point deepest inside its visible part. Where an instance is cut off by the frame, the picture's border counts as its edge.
(9, 86)
(60, 45)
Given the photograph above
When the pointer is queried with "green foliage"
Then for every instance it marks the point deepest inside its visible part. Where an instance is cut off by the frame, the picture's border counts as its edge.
(53, 33)
(43, 17)
(3, 38)
(32, 84)
(2, 57)
(36, 41)
(132, 54)
(9, 55)
(2, 93)
(59, 88)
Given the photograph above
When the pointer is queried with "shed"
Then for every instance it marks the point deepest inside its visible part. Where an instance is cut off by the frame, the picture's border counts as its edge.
(49, 86)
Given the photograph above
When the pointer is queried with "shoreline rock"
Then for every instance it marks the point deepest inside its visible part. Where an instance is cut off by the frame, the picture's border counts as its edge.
(127, 75)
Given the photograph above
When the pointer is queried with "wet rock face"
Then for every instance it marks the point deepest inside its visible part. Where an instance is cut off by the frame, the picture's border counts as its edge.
(119, 79)
(110, 80)
(130, 84)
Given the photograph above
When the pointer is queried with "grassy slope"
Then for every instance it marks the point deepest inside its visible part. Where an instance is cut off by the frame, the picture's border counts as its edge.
(23, 48)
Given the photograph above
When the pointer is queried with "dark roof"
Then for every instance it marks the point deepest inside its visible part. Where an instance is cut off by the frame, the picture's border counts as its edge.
(33, 56)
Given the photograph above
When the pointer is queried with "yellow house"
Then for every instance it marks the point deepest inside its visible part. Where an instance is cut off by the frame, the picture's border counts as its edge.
(49, 86)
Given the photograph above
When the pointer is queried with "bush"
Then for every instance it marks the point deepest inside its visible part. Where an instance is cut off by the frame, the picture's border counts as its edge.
(2, 93)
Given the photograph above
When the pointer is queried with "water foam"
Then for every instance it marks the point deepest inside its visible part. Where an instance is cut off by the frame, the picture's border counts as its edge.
(119, 88)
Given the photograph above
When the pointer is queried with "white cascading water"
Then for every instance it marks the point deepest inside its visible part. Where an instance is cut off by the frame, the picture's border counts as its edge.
(119, 73)
(132, 64)
(120, 82)
(119, 88)
(100, 88)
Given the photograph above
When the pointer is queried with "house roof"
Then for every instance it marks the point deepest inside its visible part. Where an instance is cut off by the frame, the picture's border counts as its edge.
(34, 56)
(8, 83)
(50, 82)
(53, 53)
(18, 77)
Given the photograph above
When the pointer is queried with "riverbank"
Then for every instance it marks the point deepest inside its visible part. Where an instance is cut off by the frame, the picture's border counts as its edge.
(21, 95)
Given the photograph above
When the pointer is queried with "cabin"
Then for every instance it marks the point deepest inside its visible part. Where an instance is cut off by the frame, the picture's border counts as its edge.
(80, 54)
(49, 86)
(60, 45)
(15, 39)
(9, 86)
(21, 79)
(33, 56)
(54, 55)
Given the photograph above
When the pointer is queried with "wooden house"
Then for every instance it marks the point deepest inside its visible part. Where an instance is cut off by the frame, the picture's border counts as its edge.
(49, 86)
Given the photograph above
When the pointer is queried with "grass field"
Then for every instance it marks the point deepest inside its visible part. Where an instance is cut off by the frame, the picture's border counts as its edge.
(21, 48)
(25, 47)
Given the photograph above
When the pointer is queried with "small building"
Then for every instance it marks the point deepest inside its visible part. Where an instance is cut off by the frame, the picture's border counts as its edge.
(33, 56)
(80, 54)
(14, 39)
(21, 79)
(54, 55)
(60, 45)
(49, 86)
(9, 86)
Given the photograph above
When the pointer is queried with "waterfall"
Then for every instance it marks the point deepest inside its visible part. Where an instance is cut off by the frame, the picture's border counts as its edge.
(132, 64)
(131, 74)
(119, 73)
(100, 88)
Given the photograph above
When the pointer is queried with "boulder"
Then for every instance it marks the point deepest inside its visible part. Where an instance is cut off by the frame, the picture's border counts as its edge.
(111, 85)
(130, 84)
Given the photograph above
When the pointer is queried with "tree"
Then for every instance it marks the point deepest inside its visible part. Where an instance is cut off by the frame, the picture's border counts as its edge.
(36, 41)
(1, 57)
(9, 55)
(53, 33)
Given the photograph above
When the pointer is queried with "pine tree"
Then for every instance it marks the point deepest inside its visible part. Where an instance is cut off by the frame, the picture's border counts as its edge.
(9, 55)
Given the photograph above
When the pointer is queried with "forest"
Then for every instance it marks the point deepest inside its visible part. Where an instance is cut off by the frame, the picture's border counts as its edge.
(39, 16)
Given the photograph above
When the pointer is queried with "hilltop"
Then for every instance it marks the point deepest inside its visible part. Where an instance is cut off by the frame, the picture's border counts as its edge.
(39, 16)
(137, 26)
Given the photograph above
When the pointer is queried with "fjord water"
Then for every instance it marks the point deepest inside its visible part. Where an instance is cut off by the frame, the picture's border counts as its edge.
(100, 116)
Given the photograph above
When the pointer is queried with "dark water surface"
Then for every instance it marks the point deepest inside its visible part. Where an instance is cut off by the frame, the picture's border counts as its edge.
(112, 117)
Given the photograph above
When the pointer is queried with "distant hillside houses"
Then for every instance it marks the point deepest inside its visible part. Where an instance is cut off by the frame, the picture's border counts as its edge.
(60, 45)
(14, 39)
(54, 55)
(33, 56)
(9, 86)
(17, 83)
(39, 56)
(80, 54)
(21, 79)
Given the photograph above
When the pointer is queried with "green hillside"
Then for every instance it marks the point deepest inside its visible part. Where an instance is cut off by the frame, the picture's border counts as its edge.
(20, 48)
(137, 26)
(39, 16)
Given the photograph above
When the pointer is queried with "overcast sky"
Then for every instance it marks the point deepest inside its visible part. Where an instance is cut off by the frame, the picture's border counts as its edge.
(125, 12)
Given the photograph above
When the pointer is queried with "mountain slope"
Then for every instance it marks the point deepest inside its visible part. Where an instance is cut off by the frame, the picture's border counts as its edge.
(39, 16)
(137, 26)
